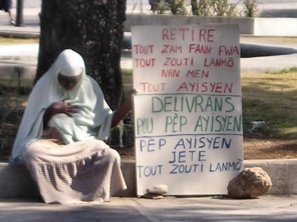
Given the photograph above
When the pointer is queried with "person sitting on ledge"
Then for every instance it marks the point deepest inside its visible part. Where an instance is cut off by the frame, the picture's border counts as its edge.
(61, 136)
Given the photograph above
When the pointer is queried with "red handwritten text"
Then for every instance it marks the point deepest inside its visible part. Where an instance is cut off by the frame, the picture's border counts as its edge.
(189, 34)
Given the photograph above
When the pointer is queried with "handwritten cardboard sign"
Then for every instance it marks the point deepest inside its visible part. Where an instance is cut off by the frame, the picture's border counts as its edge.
(188, 115)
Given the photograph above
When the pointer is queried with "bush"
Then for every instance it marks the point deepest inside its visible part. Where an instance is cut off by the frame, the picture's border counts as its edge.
(213, 8)
(177, 7)
(250, 8)
(206, 7)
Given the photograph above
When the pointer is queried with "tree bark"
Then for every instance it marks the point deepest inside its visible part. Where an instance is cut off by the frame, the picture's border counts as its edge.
(93, 28)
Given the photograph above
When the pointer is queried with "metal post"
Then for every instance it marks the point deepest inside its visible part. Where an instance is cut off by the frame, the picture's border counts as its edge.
(19, 17)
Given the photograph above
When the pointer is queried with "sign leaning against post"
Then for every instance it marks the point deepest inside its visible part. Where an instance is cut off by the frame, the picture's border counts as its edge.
(188, 113)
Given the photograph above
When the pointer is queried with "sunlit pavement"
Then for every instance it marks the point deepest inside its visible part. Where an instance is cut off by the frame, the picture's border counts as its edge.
(266, 208)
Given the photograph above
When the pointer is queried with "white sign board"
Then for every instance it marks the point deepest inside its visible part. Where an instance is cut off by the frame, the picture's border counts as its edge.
(188, 116)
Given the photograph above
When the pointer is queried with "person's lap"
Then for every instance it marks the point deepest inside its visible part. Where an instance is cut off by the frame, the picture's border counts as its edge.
(83, 171)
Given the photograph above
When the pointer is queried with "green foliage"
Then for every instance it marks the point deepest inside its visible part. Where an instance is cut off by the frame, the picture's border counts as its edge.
(127, 72)
(177, 7)
(213, 8)
(232, 10)
(285, 71)
(162, 6)
(200, 7)
(250, 8)
(207, 7)
(222, 8)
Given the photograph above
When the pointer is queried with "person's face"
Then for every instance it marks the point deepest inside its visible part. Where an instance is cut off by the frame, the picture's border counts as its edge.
(68, 82)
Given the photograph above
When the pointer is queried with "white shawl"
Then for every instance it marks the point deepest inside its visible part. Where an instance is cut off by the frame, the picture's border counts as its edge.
(92, 120)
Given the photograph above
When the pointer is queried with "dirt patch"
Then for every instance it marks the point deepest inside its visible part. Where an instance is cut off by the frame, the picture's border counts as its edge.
(269, 149)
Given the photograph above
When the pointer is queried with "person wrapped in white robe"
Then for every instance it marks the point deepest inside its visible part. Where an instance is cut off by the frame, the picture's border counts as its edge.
(66, 155)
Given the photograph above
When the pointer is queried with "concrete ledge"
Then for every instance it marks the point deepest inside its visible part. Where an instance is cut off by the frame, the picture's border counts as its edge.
(20, 34)
(258, 26)
(245, 24)
(282, 173)
(16, 182)
(248, 26)
(17, 75)
(275, 27)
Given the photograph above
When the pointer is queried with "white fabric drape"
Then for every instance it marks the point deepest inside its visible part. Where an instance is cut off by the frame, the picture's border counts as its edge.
(92, 120)
(88, 170)
(68, 159)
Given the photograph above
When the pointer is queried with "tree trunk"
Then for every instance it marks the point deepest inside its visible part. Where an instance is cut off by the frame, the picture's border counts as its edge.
(93, 28)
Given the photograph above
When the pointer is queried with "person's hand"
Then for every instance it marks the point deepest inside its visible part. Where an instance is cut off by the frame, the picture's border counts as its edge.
(131, 92)
(56, 108)
(130, 95)
(63, 107)
(124, 108)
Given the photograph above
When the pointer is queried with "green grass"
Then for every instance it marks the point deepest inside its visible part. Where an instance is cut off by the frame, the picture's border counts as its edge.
(5, 40)
(271, 97)
(127, 72)
(285, 71)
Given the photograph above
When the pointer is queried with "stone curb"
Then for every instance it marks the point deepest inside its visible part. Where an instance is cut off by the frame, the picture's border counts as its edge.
(282, 173)
(17, 75)
(15, 180)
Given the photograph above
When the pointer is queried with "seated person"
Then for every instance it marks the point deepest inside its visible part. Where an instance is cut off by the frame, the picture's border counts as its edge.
(61, 136)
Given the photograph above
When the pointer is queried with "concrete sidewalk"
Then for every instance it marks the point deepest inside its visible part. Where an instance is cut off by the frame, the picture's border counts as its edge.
(29, 28)
(267, 208)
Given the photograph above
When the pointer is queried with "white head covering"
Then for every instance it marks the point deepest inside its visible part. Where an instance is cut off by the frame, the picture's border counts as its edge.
(67, 68)
(92, 120)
